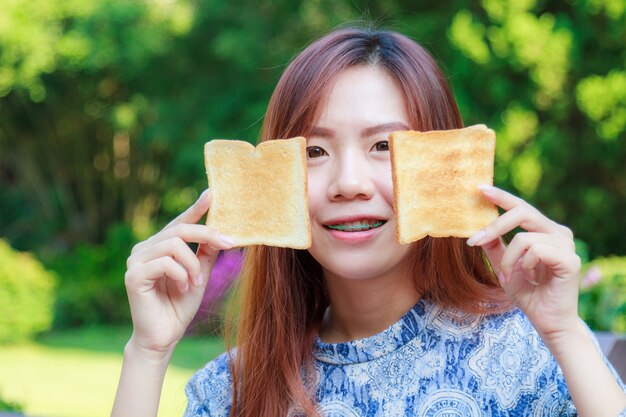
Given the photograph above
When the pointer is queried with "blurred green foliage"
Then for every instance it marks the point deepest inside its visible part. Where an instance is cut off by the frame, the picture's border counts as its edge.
(10, 406)
(26, 295)
(602, 304)
(91, 281)
(105, 106)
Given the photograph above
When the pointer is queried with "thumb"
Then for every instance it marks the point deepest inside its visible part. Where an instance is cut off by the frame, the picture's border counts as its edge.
(494, 250)
(207, 257)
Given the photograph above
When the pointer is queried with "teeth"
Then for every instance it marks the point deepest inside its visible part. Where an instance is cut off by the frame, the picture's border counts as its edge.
(357, 226)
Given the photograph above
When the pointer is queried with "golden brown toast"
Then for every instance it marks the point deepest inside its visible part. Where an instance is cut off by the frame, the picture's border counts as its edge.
(436, 176)
(259, 194)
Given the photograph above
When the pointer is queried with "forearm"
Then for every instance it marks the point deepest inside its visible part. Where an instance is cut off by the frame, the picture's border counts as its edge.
(593, 388)
(141, 381)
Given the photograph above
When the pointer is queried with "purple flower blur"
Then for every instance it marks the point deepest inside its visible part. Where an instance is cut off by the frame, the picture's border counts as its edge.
(591, 278)
(225, 271)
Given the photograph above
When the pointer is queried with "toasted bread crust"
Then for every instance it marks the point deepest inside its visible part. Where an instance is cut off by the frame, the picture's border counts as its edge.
(259, 194)
(436, 176)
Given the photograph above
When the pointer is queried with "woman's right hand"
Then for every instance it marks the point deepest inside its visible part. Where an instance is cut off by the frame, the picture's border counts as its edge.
(165, 280)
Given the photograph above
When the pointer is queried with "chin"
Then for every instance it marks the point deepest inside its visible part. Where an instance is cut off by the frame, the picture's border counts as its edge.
(364, 267)
(352, 274)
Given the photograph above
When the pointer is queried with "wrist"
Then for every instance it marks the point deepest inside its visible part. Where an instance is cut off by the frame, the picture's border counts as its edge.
(572, 338)
(141, 380)
(135, 349)
(590, 382)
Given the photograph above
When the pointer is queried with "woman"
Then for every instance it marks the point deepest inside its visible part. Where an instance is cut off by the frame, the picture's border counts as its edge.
(359, 325)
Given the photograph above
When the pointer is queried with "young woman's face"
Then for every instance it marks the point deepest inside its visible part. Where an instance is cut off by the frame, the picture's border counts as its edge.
(349, 176)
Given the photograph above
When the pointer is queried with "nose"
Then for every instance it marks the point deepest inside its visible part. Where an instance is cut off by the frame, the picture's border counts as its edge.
(351, 178)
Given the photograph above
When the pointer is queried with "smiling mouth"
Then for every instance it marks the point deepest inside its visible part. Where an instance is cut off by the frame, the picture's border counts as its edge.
(358, 226)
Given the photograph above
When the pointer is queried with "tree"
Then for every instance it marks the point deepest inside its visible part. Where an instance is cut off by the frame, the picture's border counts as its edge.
(105, 105)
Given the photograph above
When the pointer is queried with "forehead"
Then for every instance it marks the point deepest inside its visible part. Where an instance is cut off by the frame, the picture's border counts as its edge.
(365, 94)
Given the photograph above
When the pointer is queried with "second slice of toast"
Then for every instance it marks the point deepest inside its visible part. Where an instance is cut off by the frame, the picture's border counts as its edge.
(436, 176)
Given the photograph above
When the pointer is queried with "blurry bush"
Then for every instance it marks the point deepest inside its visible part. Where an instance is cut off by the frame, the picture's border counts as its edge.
(105, 106)
(602, 302)
(10, 406)
(91, 281)
(26, 295)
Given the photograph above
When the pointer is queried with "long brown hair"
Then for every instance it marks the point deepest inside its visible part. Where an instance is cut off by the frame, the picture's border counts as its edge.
(283, 294)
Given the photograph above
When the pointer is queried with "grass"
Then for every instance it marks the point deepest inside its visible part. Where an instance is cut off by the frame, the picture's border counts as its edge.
(75, 373)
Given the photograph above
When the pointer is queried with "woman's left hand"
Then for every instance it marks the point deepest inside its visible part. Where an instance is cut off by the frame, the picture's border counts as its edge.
(539, 269)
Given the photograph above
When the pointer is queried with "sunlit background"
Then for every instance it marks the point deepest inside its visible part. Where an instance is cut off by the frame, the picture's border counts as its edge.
(105, 107)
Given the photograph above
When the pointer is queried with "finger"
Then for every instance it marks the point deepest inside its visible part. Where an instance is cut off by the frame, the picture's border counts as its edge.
(514, 284)
(528, 216)
(207, 258)
(518, 214)
(561, 262)
(502, 198)
(543, 256)
(532, 266)
(494, 250)
(525, 217)
(144, 277)
(195, 212)
(531, 275)
(175, 248)
(522, 243)
(196, 233)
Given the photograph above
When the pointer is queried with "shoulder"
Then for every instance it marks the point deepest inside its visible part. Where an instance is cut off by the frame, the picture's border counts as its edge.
(495, 335)
(457, 322)
(511, 363)
(460, 324)
(209, 391)
(504, 360)
(510, 335)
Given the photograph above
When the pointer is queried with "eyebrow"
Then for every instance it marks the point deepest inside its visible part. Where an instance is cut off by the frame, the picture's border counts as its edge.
(321, 132)
(324, 132)
(386, 127)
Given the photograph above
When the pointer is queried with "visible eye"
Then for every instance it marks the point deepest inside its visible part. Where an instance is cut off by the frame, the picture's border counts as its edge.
(315, 152)
(381, 146)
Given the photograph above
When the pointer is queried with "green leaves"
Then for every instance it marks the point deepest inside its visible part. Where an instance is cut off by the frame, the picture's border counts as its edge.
(29, 32)
(602, 301)
(105, 105)
(469, 37)
(548, 77)
(603, 100)
(26, 295)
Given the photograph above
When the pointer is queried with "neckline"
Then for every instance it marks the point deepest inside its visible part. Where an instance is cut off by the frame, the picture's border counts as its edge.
(377, 345)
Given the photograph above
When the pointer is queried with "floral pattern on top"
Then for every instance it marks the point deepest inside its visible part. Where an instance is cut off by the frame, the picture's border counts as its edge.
(433, 362)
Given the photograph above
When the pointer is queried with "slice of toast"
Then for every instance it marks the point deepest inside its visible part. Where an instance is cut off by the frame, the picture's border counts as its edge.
(436, 175)
(259, 194)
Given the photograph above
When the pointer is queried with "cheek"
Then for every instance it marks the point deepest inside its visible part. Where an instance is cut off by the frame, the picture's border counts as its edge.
(315, 190)
(384, 182)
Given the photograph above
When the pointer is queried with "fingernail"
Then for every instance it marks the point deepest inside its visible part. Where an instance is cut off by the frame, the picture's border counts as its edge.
(203, 195)
(228, 240)
(476, 238)
(487, 189)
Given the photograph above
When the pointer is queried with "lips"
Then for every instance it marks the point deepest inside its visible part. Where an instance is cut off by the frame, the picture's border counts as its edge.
(355, 225)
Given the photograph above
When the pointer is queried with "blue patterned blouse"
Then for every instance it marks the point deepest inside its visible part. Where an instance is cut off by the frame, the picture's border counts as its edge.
(431, 363)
